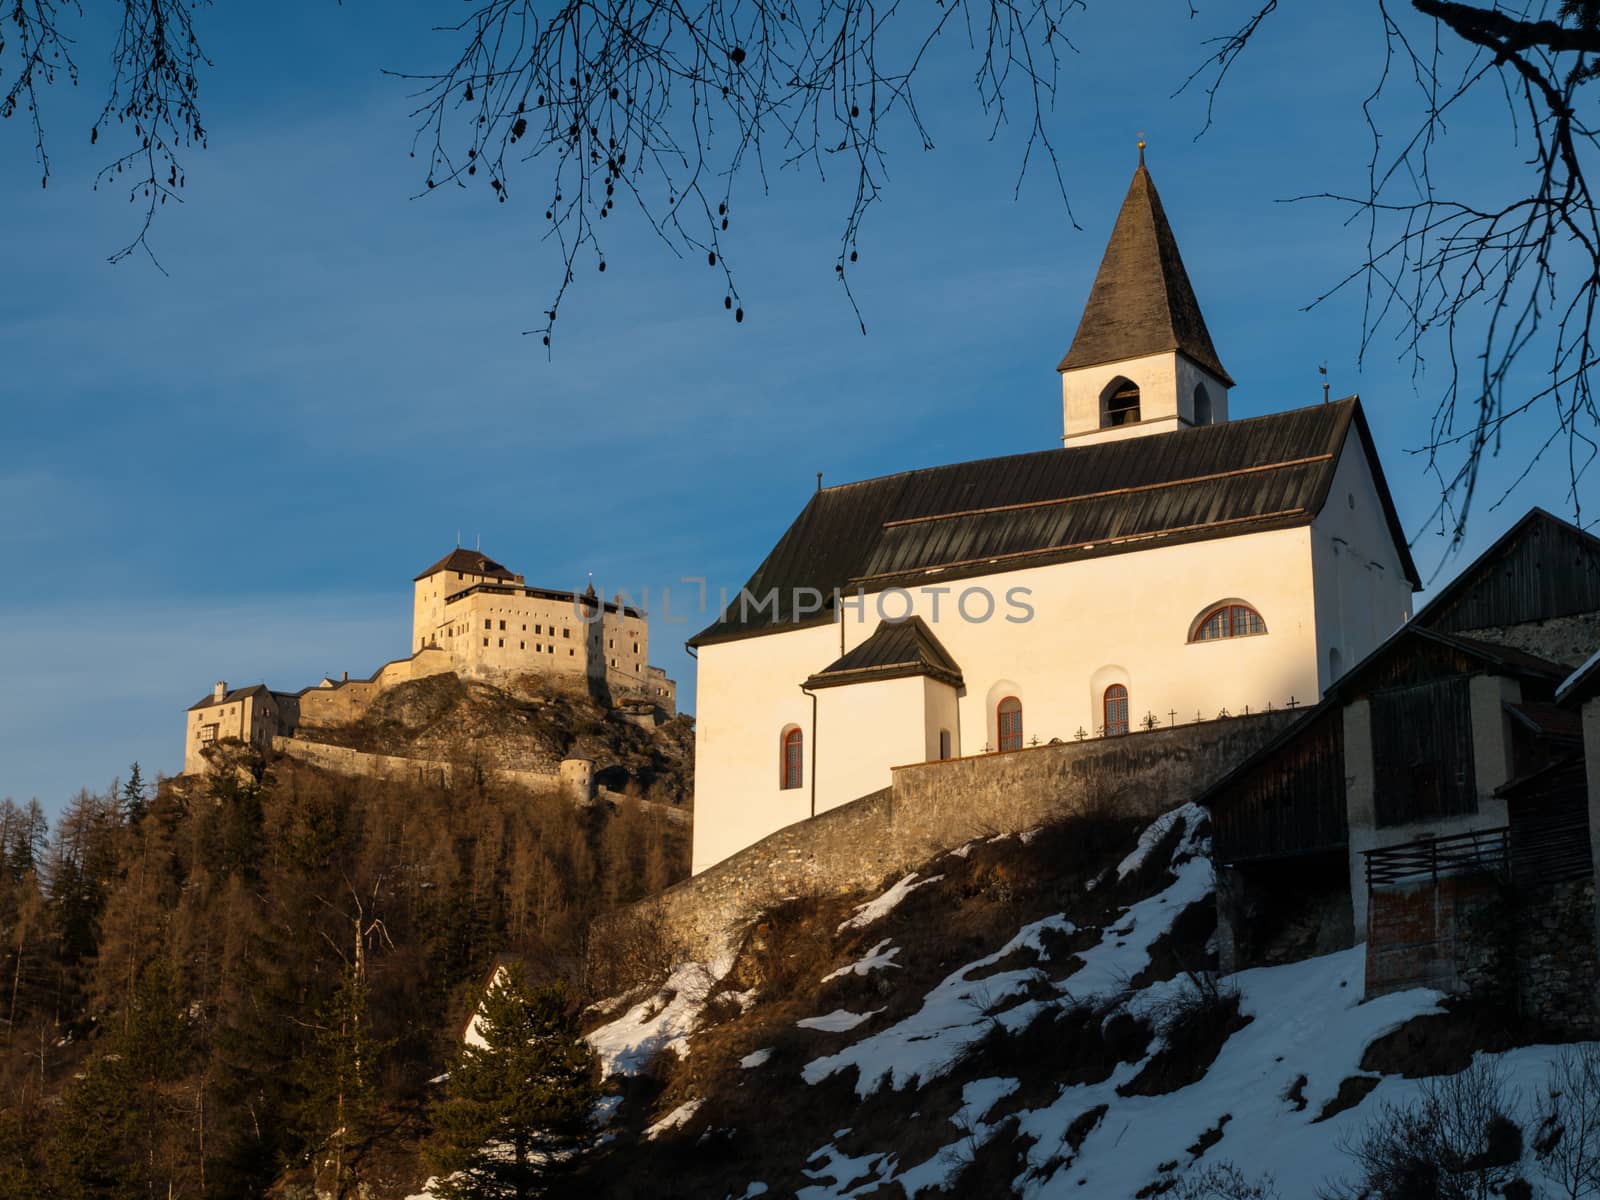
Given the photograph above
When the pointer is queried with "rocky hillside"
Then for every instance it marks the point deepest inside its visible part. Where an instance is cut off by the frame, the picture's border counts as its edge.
(528, 726)
(1037, 1016)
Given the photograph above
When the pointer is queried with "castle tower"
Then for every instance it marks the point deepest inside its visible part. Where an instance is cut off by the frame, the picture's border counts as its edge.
(1142, 360)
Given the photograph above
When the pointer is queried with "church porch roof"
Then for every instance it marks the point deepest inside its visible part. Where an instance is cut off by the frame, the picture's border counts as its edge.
(895, 650)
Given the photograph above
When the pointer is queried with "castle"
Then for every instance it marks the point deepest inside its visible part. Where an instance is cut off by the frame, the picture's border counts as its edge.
(472, 617)
(1164, 564)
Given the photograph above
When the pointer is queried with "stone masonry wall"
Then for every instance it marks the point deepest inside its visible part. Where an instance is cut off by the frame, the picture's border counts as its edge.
(1558, 975)
(932, 807)
(388, 766)
(1453, 934)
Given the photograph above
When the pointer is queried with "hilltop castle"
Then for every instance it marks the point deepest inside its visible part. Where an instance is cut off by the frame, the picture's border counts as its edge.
(473, 617)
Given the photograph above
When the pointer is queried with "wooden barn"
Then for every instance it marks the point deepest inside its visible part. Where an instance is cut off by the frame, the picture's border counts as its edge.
(1404, 769)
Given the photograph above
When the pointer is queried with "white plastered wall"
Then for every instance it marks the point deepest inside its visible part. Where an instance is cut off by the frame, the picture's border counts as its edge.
(1363, 594)
(1128, 613)
(1166, 397)
(863, 729)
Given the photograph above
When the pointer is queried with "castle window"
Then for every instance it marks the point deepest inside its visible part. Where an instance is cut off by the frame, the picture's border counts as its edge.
(566, 633)
(1121, 406)
(502, 642)
(502, 624)
(1008, 721)
(793, 766)
(1202, 405)
(522, 645)
(1115, 707)
(485, 641)
(1229, 619)
(208, 733)
(488, 624)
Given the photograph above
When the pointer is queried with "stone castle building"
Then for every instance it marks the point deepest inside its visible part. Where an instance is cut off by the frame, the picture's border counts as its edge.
(473, 617)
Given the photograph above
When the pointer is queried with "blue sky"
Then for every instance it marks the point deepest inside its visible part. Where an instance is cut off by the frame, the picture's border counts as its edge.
(234, 470)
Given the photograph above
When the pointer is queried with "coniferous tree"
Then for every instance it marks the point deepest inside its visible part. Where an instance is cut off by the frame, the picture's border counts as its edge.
(133, 798)
(518, 1098)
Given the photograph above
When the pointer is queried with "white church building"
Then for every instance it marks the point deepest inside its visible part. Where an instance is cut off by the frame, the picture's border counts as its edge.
(1164, 564)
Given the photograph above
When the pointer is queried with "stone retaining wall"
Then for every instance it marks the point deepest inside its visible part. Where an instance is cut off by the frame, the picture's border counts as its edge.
(933, 807)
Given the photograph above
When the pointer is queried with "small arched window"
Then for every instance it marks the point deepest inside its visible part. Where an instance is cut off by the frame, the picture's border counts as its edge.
(794, 754)
(1008, 721)
(1229, 619)
(1121, 405)
(1202, 405)
(1115, 708)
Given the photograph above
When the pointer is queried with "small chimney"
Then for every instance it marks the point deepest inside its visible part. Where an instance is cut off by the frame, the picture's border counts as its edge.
(344, 676)
(218, 692)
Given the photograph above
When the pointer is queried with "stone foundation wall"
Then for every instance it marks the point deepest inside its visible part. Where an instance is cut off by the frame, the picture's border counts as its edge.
(1566, 640)
(1453, 934)
(1558, 972)
(1531, 948)
(346, 761)
(933, 807)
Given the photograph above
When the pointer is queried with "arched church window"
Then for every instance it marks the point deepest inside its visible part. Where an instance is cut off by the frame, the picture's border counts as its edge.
(1202, 405)
(1115, 708)
(794, 744)
(1008, 722)
(1122, 405)
(1230, 619)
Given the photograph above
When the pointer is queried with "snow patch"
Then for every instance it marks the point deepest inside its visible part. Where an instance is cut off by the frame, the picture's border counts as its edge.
(756, 1058)
(678, 1116)
(1192, 816)
(838, 1021)
(877, 959)
(882, 906)
(660, 1022)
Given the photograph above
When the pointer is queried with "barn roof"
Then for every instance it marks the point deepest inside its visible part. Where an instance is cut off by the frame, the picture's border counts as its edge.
(895, 650)
(1025, 510)
(1542, 567)
(1142, 302)
(473, 562)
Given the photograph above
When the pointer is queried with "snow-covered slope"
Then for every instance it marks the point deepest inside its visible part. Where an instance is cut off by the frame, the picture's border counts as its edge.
(1062, 1061)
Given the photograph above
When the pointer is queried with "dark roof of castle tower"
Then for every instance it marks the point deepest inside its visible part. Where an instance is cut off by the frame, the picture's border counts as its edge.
(1141, 302)
(473, 562)
(971, 519)
(895, 650)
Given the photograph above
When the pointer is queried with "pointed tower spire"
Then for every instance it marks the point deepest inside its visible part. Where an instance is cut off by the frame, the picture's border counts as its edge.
(1142, 360)
(1142, 302)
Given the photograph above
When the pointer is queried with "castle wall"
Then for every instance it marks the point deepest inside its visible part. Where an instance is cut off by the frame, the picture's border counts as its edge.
(346, 761)
(347, 701)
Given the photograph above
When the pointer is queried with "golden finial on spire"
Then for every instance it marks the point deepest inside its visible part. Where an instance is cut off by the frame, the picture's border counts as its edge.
(1141, 147)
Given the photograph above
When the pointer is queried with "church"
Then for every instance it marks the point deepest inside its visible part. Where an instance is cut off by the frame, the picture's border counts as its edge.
(1165, 564)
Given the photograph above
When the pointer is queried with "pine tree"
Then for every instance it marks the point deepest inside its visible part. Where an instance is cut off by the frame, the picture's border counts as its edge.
(518, 1098)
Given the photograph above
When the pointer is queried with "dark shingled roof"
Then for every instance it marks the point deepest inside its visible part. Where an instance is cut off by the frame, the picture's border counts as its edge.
(473, 562)
(896, 649)
(1142, 302)
(1029, 510)
(1547, 719)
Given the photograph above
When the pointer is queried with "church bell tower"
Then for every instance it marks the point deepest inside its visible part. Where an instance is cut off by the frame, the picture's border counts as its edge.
(1142, 360)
